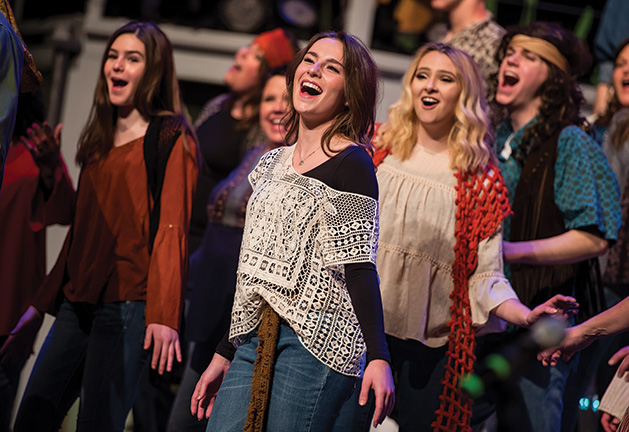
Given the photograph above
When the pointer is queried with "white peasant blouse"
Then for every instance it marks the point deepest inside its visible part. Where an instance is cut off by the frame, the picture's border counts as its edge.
(416, 252)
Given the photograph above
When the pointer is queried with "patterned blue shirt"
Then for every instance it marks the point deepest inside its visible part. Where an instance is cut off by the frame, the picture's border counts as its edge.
(586, 190)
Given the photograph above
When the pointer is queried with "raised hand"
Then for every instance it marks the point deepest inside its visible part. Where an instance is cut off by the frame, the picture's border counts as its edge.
(42, 141)
(44, 144)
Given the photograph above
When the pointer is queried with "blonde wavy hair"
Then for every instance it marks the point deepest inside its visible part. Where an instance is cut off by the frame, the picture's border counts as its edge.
(470, 140)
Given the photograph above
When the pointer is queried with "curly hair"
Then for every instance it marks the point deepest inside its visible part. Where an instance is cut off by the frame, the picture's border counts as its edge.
(356, 121)
(621, 133)
(560, 95)
(157, 93)
(470, 139)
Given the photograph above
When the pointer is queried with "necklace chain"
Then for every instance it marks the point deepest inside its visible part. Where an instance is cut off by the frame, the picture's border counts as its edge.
(301, 161)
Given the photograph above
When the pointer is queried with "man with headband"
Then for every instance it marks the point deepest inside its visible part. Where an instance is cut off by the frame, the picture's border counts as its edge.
(564, 196)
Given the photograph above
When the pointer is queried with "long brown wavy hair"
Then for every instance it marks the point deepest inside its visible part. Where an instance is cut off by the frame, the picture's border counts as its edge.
(157, 94)
(356, 121)
(561, 97)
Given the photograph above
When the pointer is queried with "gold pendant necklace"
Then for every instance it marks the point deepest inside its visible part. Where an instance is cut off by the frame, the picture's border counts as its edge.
(301, 161)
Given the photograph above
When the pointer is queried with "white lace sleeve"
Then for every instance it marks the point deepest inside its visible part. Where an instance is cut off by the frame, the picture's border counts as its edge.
(261, 169)
(349, 229)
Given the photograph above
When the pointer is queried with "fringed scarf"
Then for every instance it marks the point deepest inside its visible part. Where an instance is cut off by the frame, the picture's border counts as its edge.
(268, 334)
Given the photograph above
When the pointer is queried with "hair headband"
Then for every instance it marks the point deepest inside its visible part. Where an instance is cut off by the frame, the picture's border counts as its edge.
(542, 48)
(275, 46)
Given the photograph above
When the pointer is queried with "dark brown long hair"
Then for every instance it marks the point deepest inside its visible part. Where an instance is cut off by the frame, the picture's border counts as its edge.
(157, 94)
(561, 97)
(356, 121)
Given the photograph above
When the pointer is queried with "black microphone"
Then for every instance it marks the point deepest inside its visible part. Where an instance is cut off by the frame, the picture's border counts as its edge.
(545, 333)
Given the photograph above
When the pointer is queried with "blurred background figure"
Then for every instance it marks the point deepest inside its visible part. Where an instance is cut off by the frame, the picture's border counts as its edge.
(37, 192)
(473, 30)
(613, 128)
(18, 73)
(213, 265)
(612, 30)
(228, 127)
(228, 124)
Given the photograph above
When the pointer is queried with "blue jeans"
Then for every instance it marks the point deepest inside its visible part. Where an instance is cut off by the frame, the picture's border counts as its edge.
(354, 417)
(542, 391)
(306, 395)
(93, 352)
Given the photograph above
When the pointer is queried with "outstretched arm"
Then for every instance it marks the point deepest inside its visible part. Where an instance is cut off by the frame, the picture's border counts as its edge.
(515, 312)
(606, 323)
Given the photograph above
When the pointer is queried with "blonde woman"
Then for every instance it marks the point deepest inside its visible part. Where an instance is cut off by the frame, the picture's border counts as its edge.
(442, 202)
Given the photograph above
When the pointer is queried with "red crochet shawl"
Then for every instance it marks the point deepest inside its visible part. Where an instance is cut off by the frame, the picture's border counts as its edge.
(482, 203)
